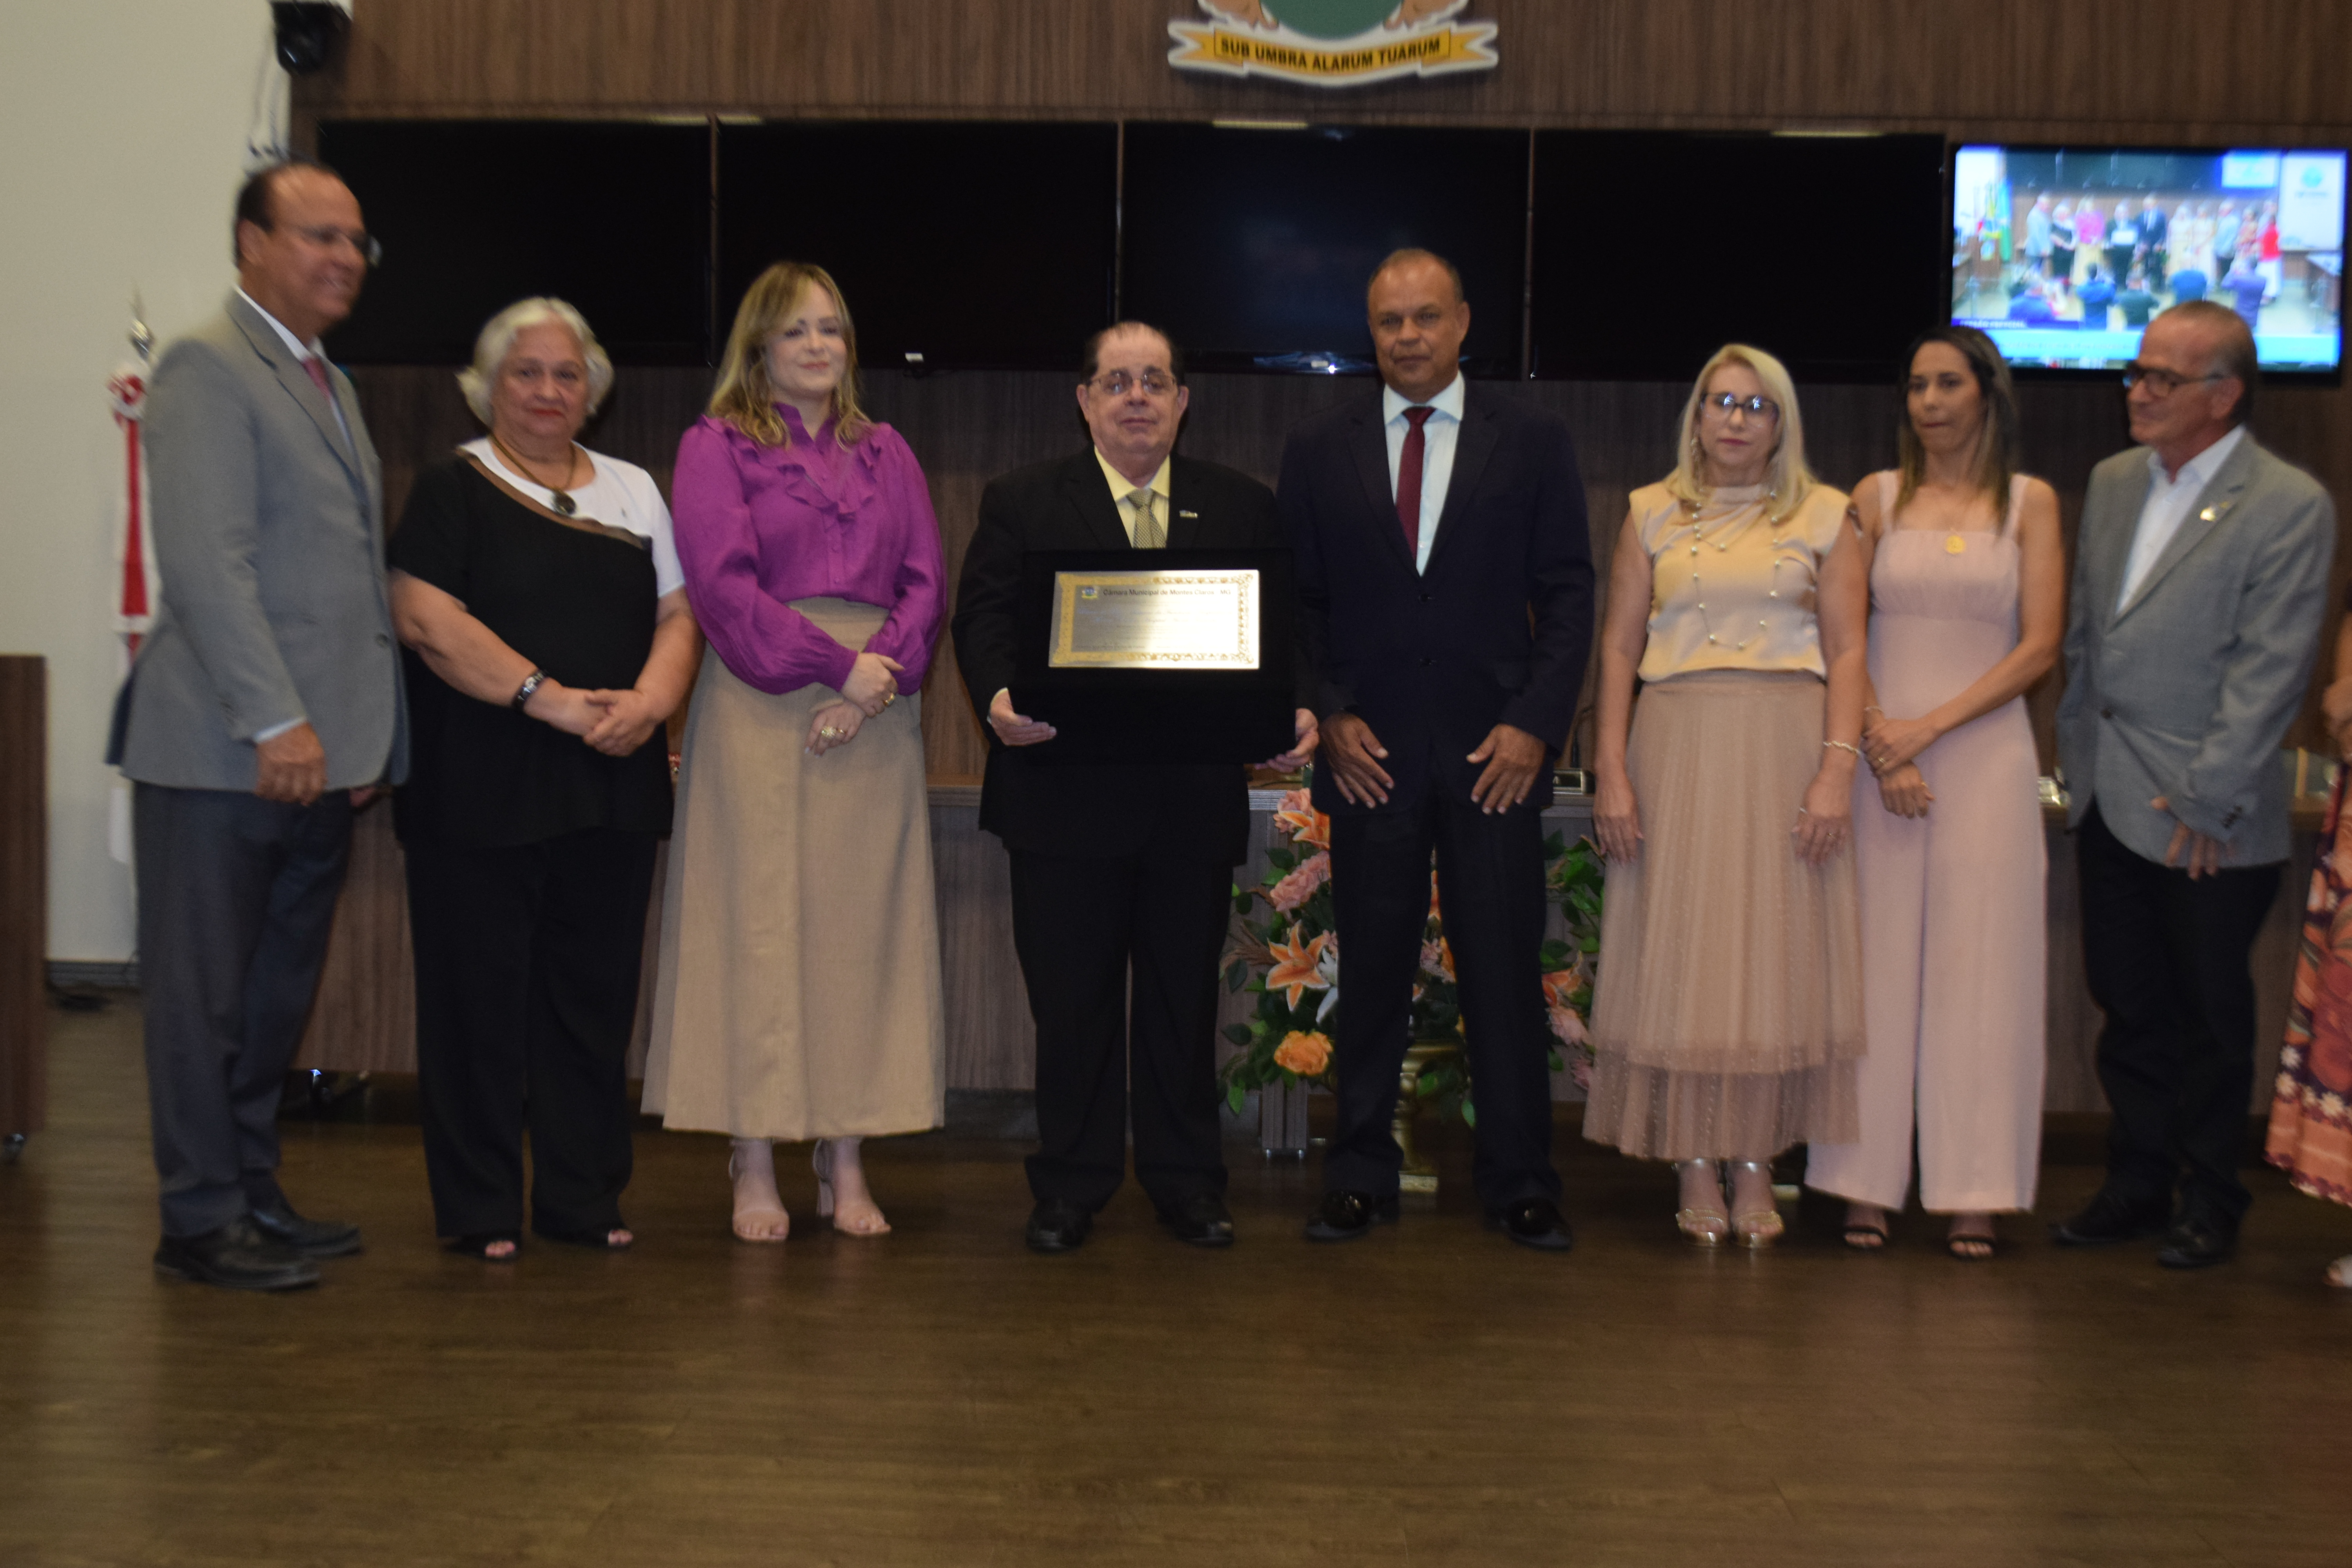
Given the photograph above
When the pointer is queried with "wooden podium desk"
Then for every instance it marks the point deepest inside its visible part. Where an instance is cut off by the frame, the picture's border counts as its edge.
(365, 1019)
(24, 895)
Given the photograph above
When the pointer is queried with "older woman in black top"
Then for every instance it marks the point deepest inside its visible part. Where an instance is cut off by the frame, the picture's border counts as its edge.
(536, 587)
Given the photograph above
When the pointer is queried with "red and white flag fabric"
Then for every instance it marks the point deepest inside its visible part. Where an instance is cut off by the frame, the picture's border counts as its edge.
(136, 584)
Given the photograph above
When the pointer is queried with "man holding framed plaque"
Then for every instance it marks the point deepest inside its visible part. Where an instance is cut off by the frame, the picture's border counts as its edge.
(1123, 625)
(1445, 609)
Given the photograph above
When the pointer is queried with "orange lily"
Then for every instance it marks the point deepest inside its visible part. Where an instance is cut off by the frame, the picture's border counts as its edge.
(1296, 970)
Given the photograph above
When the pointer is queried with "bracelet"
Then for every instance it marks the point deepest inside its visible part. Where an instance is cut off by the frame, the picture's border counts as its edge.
(1844, 746)
(531, 683)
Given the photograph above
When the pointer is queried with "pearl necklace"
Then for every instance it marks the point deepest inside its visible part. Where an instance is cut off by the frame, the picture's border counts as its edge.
(1722, 542)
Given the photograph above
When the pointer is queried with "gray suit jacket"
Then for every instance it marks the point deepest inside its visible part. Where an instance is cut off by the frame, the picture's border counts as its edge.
(269, 530)
(2188, 690)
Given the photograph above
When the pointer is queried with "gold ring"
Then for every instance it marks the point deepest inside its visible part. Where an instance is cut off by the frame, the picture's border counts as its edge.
(830, 734)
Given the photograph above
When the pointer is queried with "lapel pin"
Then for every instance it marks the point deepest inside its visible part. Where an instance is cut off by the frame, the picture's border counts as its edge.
(1188, 514)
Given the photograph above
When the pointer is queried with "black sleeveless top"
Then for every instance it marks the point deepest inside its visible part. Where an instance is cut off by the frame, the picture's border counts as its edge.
(574, 598)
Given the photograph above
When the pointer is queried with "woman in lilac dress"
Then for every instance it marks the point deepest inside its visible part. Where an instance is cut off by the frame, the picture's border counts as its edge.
(799, 990)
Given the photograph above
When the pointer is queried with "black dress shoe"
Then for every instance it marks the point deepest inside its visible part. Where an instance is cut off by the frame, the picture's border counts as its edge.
(1347, 1216)
(2106, 1220)
(1058, 1225)
(1203, 1221)
(2197, 1243)
(1535, 1222)
(237, 1256)
(311, 1237)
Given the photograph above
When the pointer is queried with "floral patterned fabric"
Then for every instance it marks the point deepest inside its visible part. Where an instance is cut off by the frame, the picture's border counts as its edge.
(2311, 1122)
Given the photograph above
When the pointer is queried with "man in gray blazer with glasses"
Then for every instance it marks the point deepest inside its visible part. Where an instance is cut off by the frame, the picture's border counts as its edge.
(2200, 581)
(263, 707)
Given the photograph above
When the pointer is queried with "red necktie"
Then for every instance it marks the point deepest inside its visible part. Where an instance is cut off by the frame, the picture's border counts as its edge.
(1408, 494)
(317, 369)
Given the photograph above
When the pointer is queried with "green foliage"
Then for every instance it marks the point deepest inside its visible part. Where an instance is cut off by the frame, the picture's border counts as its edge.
(1573, 880)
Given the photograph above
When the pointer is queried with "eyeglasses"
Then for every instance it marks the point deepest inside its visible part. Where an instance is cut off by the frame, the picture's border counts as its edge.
(1720, 405)
(1155, 382)
(2162, 383)
(326, 237)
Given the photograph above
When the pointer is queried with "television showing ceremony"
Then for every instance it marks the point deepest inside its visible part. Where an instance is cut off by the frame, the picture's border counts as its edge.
(2063, 254)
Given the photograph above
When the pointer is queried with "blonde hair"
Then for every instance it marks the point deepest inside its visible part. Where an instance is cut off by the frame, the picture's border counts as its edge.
(1786, 481)
(496, 341)
(744, 396)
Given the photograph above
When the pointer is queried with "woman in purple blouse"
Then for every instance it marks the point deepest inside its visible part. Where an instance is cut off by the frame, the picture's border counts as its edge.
(799, 983)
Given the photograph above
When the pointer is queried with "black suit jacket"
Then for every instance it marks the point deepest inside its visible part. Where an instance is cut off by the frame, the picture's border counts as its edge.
(1028, 799)
(1495, 632)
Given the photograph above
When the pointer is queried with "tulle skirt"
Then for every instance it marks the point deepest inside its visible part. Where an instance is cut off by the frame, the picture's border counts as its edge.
(1727, 1009)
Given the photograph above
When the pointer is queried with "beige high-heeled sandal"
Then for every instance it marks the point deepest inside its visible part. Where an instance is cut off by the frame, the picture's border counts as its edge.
(1706, 1227)
(757, 1221)
(1757, 1229)
(858, 1224)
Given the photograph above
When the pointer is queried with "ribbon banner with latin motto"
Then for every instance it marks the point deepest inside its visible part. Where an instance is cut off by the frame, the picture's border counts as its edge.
(1332, 43)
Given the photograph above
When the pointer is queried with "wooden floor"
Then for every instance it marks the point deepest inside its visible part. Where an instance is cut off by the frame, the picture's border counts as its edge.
(1430, 1396)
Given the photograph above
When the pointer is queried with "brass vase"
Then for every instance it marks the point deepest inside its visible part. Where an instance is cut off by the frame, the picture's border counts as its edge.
(1419, 1173)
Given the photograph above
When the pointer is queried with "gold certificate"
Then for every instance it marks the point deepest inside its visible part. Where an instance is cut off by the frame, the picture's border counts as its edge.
(1155, 620)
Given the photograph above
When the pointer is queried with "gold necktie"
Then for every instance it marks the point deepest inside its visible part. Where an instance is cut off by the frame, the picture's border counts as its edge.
(1149, 534)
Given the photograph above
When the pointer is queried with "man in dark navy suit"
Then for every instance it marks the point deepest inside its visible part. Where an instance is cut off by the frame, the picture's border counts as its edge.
(1445, 602)
(1114, 865)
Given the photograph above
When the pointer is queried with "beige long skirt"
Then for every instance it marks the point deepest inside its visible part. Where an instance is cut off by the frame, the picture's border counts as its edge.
(1727, 1009)
(799, 989)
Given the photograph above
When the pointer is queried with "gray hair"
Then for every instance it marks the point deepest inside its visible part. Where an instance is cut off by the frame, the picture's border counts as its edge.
(497, 340)
(2233, 350)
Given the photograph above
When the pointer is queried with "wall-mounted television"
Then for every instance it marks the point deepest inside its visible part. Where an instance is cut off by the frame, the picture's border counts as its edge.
(959, 245)
(1252, 244)
(2063, 254)
(1653, 250)
(611, 215)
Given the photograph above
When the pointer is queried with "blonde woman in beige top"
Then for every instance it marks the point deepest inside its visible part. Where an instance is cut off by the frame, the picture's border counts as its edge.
(1727, 1017)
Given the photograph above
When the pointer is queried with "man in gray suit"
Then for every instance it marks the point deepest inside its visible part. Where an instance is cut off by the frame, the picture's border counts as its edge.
(264, 708)
(2200, 579)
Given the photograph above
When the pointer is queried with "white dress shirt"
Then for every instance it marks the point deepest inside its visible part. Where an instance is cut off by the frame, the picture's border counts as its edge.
(303, 352)
(2167, 506)
(1437, 435)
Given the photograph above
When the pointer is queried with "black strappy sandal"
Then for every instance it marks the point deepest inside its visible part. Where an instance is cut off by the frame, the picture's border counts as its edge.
(477, 1244)
(1854, 1234)
(1955, 1244)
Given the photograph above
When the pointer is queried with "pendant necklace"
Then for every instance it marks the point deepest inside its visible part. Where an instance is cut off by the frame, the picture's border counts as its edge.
(1722, 542)
(558, 496)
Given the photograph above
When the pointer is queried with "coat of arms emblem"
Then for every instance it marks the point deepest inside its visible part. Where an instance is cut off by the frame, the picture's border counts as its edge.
(1332, 43)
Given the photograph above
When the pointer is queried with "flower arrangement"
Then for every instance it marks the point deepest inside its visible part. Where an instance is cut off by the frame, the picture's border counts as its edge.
(1285, 950)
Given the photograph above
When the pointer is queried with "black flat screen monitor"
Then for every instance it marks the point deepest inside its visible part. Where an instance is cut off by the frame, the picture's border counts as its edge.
(2061, 254)
(1252, 245)
(612, 217)
(974, 245)
(1653, 250)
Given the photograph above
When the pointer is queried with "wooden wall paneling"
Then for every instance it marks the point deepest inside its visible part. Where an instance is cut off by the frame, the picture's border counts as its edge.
(992, 1042)
(2114, 65)
(24, 893)
(2105, 70)
(365, 1017)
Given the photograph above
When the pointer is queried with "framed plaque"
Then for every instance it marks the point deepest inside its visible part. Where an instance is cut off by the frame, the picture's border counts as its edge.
(1167, 656)
(1157, 618)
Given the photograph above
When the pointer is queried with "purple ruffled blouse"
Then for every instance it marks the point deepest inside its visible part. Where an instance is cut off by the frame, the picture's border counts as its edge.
(758, 527)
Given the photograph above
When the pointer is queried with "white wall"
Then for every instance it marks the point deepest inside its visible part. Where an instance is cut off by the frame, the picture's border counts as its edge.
(122, 138)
